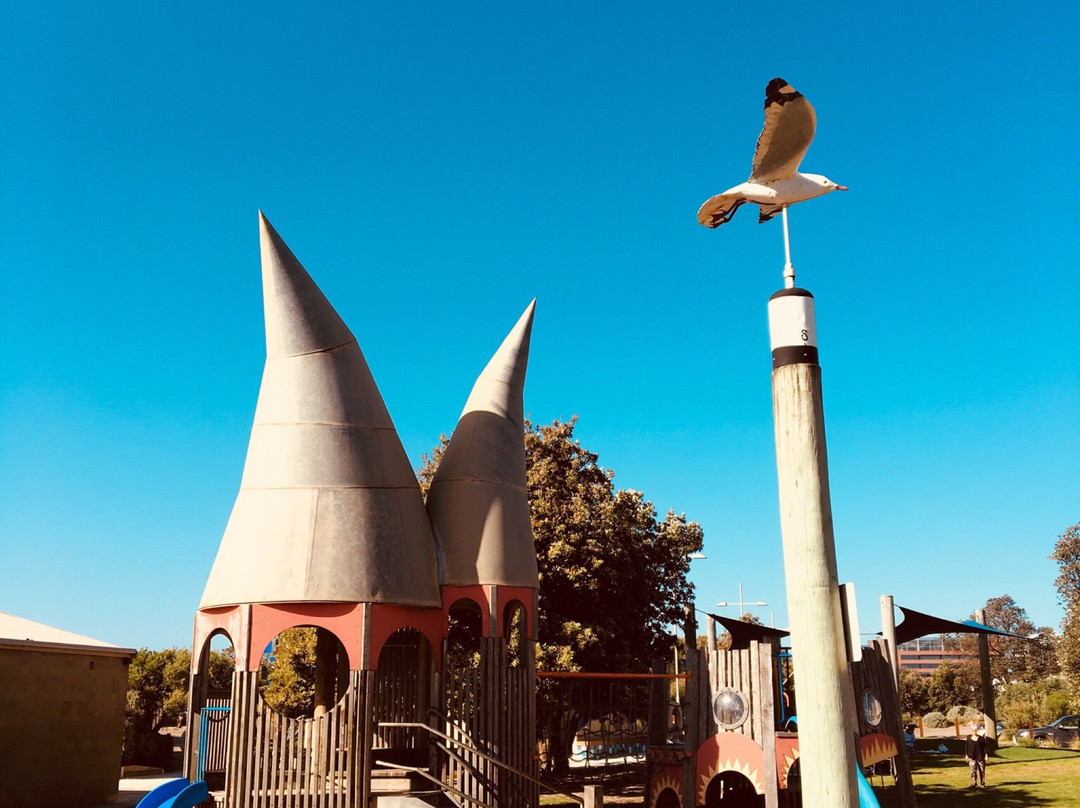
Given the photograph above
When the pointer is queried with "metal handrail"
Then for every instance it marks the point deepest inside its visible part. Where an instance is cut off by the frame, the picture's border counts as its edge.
(432, 711)
(474, 750)
(433, 779)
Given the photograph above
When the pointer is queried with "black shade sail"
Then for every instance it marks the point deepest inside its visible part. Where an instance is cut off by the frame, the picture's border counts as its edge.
(916, 624)
(742, 633)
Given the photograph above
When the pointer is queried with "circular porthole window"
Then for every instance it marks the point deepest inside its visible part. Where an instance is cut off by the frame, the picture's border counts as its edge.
(871, 708)
(729, 708)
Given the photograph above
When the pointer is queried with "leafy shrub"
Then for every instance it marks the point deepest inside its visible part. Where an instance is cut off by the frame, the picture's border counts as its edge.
(1058, 703)
(964, 713)
(935, 720)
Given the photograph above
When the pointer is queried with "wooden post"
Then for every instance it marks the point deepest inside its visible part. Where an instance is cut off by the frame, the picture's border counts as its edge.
(827, 718)
(989, 711)
(692, 730)
(710, 633)
(888, 632)
(594, 797)
(659, 700)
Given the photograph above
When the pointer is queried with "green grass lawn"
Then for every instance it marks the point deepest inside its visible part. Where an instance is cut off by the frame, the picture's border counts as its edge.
(1015, 778)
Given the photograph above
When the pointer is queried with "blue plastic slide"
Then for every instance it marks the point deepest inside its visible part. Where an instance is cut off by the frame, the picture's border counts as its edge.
(166, 791)
(176, 793)
(867, 797)
(193, 795)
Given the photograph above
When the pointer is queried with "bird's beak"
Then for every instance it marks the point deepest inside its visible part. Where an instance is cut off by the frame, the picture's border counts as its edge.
(841, 187)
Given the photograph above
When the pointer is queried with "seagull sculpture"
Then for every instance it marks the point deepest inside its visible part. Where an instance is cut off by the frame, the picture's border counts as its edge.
(775, 181)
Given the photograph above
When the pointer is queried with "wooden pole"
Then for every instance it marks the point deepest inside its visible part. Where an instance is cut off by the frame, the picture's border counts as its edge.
(827, 718)
(987, 682)
(691, 727)
(594, 797)
(888, 633)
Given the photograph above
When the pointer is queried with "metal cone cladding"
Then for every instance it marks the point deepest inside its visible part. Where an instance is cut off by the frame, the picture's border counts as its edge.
(478, 501)
(329, 508)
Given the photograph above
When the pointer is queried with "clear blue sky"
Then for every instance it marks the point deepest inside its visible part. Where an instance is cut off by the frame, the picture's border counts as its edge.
(435, 166)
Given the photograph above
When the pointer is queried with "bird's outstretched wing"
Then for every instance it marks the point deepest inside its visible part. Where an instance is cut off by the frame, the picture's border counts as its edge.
(766, 212)
(719, 209)
(789, 127)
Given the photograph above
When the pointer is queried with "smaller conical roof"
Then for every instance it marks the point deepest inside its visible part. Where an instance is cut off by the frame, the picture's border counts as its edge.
(329, 508)
(478, 500)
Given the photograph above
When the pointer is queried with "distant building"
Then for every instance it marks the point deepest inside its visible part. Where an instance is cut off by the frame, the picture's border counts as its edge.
(925, 655)
(62, 702)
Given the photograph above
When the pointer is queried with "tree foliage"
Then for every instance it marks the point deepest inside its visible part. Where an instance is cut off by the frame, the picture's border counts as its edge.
(613, 576)
(953, 685)
(914, 693)
(157, 697)
(1067, 555)
(287, 677)
(1024, 704)
(1012, 659)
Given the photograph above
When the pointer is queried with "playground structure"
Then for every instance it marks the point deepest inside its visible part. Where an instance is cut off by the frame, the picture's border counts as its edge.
(740, 745)
(425, 612)
(329, 531)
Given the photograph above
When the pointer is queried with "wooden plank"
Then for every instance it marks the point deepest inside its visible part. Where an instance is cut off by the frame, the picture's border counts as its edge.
(766, 711)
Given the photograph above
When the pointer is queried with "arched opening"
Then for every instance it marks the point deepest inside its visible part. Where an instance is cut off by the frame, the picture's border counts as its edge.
(732, 790)
(304, 672)
(211, 708)
(403, 692)
(464, 635)
(668, 799)
(794, 785)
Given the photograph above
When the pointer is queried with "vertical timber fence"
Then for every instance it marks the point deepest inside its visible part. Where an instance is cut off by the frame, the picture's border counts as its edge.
(292, 762)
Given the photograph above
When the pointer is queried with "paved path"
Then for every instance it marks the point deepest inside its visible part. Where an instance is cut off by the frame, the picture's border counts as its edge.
(133, 789)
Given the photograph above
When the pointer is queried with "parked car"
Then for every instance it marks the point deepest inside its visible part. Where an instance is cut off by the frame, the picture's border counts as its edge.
(1062, 732)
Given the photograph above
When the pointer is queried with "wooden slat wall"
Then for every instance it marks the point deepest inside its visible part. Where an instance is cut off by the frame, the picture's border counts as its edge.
(874, 673)
(493, 707)
(750, 671)
(278, 762)
(399, 694)
(217, 736)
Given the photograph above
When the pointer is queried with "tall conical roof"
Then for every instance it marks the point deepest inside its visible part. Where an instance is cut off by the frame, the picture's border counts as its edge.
(478, 502)
(329, 508)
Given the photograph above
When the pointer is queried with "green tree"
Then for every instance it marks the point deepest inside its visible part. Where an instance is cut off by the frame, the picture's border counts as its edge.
(1067, 555)
(287, 678)
(914, 693)
(953, 685)
(1028, 657)
(1023, 704)
(157, 697)
(613, 577)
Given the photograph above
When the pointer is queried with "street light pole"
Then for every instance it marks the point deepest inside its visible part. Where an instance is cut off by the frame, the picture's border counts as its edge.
(742, 604)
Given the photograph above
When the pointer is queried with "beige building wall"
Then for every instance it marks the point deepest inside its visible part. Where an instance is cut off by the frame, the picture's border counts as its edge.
(61, 726)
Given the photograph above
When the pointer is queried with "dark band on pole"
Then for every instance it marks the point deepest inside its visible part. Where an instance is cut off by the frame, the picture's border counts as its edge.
(792, 329)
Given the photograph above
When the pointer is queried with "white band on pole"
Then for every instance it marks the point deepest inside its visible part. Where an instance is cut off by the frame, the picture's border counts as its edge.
(792, 328)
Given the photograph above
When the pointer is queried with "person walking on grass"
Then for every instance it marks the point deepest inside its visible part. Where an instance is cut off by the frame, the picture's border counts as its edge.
(975, 751)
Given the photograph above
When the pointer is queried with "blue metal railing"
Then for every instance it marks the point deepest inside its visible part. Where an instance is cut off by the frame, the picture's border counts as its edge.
(205, 719)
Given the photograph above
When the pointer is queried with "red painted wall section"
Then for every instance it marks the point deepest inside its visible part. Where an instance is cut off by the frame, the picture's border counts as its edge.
(345, 620)
(387, 618)
(729, 752)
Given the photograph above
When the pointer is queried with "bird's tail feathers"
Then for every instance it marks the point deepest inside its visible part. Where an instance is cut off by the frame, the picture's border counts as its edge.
(719, 209)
